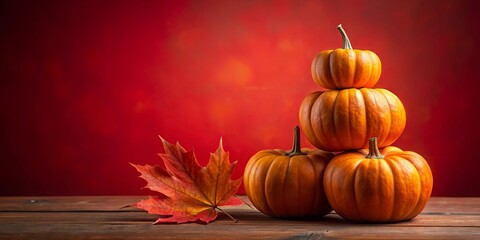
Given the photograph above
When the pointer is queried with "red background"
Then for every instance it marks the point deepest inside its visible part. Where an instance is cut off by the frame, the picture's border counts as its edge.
(86, 86)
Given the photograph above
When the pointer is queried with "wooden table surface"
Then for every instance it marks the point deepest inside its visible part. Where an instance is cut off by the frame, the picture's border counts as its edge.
(101, 217)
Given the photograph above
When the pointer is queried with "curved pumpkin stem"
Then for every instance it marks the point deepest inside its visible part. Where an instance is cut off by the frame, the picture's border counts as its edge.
(373, 151)
(296, 149)
(346, 42)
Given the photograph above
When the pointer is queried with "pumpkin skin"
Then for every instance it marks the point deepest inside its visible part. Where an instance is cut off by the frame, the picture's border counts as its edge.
(346, 67)
(288, 184)
(387, 185)
(339, 120)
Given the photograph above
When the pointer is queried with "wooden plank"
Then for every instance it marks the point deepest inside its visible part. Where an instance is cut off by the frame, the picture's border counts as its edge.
(436, 205)
(64, 222)
(102, 218)
(244, 218)
(69, 203)
(446, 205)
(221, 231)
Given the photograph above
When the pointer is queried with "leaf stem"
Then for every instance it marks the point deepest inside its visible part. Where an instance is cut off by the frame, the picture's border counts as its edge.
(246, 203)
(230, 216)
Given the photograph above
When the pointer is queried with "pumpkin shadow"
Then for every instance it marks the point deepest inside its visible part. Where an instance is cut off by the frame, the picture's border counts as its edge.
(256, 216)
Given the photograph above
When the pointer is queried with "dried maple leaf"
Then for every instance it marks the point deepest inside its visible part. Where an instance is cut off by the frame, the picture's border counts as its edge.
(189, 192)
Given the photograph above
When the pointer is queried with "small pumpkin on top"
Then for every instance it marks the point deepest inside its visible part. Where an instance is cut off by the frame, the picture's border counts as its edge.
(346, 67)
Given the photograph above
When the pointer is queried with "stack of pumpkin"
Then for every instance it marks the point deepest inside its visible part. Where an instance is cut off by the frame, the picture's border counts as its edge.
(366, 179)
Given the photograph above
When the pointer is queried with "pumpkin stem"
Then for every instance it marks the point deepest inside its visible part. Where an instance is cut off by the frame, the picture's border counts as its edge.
(373, 151)
(346, 42)
(296, 149)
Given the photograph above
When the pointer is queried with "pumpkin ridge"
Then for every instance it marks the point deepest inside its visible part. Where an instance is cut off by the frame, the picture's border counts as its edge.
(389, 139)
(386, 117)
(349, 128)
(361, 112)
(266, 201)
(266, 206)
(401, 108)
(326, 73)
(420, 192)
(351, 81)
(378, 68)
(357, 76)
(334, 125)
(286, 196)
(390, 123)
(365, 92)
(270, 201)
(374, 164)
(371, 75)
(378, 183)
(330, 69)
(422, 183)
(320, 126)
(299, 186)
(315, 185)
(374, 119)
(324, 76)
(355, 198)
(310, 121)
(380, 119)
(310, 106)
(313, 69)
(408, 213)
(389, 161)
(405, 211)
(341, 169)
(251, 187)
(247, 184)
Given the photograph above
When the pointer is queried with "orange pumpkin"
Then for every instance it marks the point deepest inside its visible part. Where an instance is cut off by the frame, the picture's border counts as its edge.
(288, 184)
(346, 67)
(386, 185)
(338, 120)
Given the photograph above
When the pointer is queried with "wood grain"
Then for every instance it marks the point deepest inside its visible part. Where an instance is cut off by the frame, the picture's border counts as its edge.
(102, 217)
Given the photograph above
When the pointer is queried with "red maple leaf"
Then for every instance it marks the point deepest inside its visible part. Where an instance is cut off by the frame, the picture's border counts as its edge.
(189, 191)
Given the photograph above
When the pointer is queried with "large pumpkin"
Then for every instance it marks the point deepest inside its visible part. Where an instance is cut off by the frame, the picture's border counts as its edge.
(338, 120)
(288, 184)
(346, 67)
(386, 185)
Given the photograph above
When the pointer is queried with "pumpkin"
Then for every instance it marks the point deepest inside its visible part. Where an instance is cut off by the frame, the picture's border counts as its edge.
(338, 120)
(387, 185)
(346, 67)
(288, 184)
